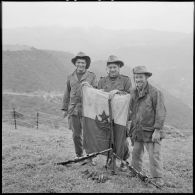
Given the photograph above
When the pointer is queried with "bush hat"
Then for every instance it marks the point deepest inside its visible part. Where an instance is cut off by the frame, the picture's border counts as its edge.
(82, 55)
(116, 60)
(141, 70)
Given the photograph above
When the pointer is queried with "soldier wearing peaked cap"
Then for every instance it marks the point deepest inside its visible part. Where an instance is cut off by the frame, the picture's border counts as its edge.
(114, 82)
(148, 115)
(72, 105)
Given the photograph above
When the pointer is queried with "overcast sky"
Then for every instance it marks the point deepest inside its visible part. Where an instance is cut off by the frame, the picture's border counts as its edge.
(167, 16)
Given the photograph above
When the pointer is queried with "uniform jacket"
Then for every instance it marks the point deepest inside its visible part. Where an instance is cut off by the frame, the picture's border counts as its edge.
(122, 83)
(72, 96)
(147, 113)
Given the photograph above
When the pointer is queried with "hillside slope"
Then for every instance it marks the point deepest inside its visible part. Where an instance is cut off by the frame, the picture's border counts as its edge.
(31, 70)
(28, 157)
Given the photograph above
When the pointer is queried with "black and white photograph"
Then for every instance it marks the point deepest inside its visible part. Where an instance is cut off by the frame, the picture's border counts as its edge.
(97, 96)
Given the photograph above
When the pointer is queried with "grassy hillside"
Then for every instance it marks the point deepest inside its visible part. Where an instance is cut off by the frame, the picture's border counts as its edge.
(32, 104)
(32, 70)
(178, 114)
(28, 157)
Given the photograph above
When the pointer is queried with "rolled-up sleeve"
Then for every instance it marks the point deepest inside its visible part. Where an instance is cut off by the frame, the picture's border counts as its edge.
(160, 111)
(66, 98)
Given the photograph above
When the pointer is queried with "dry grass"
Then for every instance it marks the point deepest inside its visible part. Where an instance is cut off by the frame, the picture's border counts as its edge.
(28, 157)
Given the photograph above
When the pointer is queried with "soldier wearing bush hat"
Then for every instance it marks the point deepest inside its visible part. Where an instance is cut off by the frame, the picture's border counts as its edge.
(115, 82)
(72, 104)
(82, 55)
(148, 114)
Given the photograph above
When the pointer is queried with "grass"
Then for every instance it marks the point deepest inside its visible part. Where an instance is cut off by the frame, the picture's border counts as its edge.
(29, 154)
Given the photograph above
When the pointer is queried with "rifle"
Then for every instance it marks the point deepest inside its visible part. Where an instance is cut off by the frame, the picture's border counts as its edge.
(83, 157)
(140, 175)
(111, 142)
(143, 177)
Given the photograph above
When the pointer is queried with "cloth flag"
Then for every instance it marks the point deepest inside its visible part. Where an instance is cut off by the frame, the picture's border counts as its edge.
(96, 122)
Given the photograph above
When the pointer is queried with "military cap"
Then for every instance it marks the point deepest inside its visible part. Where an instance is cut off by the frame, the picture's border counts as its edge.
(82, 55)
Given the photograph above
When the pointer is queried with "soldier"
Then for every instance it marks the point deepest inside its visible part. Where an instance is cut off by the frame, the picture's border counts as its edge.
(115, 82)
(148, 115)
(72, 98)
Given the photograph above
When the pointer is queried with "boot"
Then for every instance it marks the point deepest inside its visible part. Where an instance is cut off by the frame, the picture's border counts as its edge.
(123, 167)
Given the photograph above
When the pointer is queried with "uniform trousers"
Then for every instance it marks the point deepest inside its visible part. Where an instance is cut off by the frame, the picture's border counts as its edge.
(154, 151)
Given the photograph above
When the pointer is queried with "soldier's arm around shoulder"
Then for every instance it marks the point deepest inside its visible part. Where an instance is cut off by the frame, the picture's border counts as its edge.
(160, 110)
(66, 97)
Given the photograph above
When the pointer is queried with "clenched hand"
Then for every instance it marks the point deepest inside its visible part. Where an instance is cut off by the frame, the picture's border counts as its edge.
(156, 136)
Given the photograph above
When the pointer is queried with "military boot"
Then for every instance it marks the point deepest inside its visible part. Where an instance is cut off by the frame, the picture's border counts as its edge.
(123, 167)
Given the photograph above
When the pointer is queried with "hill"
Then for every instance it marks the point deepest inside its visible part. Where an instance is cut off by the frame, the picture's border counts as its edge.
(103, 41)
(46, 70)
(169, 55)
(32, 70)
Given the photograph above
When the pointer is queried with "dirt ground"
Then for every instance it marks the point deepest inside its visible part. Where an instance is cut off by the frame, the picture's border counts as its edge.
(29, 154)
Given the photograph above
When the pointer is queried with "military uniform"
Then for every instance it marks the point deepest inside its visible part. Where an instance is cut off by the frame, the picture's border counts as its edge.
(122, 83)
(147, 114)
(73, 104)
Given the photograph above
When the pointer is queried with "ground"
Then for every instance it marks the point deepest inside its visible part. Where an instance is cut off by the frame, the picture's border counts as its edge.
(29, 154)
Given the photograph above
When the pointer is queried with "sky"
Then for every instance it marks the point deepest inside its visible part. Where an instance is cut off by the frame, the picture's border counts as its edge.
(166, 16)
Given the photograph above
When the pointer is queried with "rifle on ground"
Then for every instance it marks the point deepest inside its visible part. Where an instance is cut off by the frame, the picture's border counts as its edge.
(83, 157)
(140, 175)
(143, 177)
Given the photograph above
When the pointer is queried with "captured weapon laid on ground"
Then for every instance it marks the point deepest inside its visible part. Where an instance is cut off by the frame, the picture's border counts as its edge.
(140, 175)
(79, 159)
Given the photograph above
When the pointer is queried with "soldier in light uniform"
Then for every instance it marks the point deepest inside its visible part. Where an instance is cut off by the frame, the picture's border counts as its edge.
(148, 115)
(115, 82)
(72, 105)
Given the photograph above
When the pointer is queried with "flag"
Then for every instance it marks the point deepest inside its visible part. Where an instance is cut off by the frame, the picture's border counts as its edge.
(96, 122)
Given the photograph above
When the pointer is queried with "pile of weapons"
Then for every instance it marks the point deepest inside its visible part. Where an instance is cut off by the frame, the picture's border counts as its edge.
(99, 178)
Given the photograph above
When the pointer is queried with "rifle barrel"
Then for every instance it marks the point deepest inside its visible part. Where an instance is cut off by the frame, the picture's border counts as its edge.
(84, 157)
(139, 174)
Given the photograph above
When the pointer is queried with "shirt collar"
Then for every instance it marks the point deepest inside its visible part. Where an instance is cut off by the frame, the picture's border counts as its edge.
(144, 90)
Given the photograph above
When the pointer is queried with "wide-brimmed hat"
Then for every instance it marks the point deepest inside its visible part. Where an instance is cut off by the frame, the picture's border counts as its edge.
(82, 55)
(141, 70)
(116, 60)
